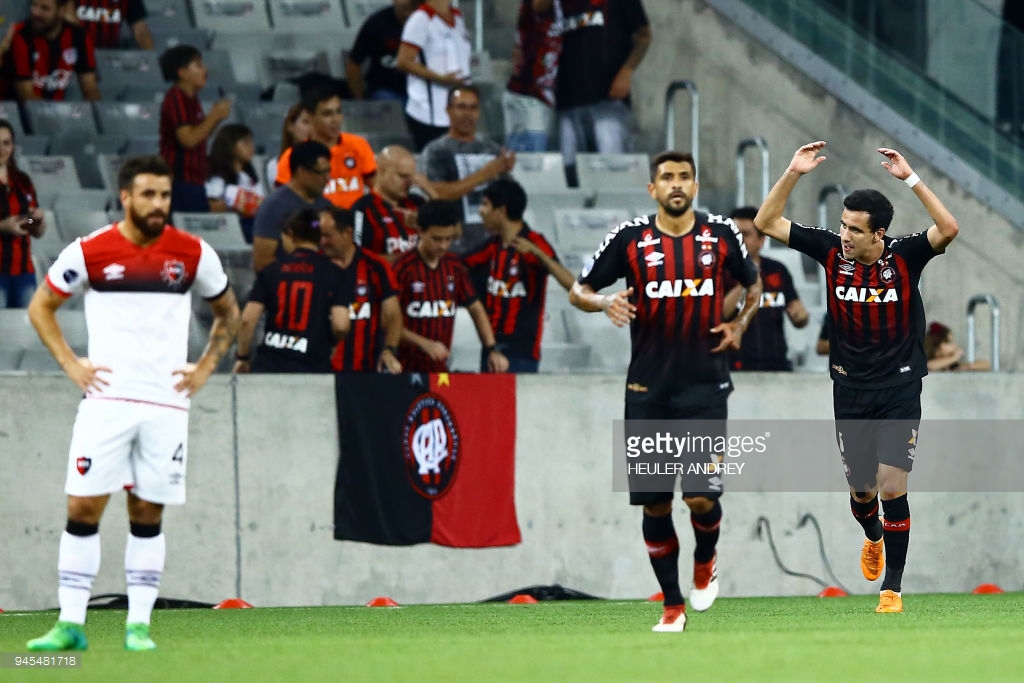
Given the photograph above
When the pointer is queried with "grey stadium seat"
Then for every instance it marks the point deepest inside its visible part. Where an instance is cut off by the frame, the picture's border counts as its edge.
(232, 16)
(221, 231)
(51, 175)
(128, 118)
(613, 172)
(306, 16)
(122, 67)
(373, 116)
(585, 228)
(169, 14)
(357, 11)
(10, 112)
(49, 118)
(75, 224)
(540, 172)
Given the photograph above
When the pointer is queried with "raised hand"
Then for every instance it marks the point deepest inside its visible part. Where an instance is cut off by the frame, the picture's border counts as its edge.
(896, 164)
(806, 158)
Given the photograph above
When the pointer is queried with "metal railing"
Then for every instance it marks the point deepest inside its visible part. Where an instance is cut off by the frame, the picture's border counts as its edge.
(827, 191)
(670, 118)
(741, 170)
(993, 307)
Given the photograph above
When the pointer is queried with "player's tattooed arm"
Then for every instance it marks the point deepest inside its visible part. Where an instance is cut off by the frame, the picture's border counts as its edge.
(226, 320)
(42, 311)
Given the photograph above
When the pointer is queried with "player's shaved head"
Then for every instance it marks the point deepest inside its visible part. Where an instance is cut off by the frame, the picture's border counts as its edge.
(393, 155)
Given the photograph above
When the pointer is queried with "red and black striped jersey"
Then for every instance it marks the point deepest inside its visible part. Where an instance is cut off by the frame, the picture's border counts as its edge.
(16, 198)
(381, 229)
(50, 64)
(299, 292)
(177, 110)
(764, 343)
(373, 282)
(875, 313)
(678, 290)
(538, 45)
(429, 298)
(516, 288)
(103, 18)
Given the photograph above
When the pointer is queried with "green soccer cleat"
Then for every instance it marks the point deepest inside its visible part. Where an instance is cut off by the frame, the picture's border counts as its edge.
(136, 638)
(63, 637)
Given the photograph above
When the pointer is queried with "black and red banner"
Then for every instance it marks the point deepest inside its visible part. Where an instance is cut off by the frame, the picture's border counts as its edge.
(426, 459)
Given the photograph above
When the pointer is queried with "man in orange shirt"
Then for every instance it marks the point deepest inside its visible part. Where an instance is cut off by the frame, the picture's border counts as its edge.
(353, 165)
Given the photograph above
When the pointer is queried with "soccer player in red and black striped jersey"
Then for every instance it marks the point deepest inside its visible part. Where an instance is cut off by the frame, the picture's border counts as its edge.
(46, 51)
(674, 263)
(515, 264)
(20, 220)
(184, 127)
(372, 343)
(306, 298)
(103, 18)
(432, 283)
(386, 216)
(876, 329)
(764, 342)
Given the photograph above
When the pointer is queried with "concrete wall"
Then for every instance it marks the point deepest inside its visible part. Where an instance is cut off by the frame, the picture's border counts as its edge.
(259, 523)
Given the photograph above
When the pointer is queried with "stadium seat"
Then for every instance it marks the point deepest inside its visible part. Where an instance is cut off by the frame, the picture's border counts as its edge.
(10, 359)
(31, 145)
(75, 224)
(265, 119)
(232, 16)
(49, 118)
(169, 14)
(373, 116)
(84, 148)
(122, 67)
(219, 68)
(166, 37)
(10, 113)
(282, 64)
(51, 243)
(18, 333)
(613, 172)
(541, 206)
(583, 229)
(109, 164)
(137, 145)
(541, 172)
(628, 201)
(128, 118)
(357, 11)
(82, 200)
(51, 175)
(143, 93)
(306, 16)
(220, 230)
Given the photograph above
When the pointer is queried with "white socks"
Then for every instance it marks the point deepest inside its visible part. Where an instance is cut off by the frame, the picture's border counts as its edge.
(78, 560)
(143, 566)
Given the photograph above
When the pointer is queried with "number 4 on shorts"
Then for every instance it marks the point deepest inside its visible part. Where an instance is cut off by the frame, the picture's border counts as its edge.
(179, 453)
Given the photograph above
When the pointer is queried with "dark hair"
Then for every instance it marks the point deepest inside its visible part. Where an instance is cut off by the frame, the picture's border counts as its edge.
(677, 157)
(12, 165)
(287, 140)
(305, 154)
(462, 88)
(138, 166)
(304, 226)
(935, 336)
(175, 59)
(507, 193)
(744, 212)
(878, 208)
(312, 98)
(344, 219)
(222, 153)
(437, 212)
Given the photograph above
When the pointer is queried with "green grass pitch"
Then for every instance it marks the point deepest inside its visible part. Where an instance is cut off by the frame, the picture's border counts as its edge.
(937, 638)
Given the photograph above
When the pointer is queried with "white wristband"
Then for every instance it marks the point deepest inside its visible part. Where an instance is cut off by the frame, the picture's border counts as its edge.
(912, 179)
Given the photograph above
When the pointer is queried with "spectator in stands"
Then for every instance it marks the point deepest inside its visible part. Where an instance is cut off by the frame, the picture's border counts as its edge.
(353, 165)
(377, 41)
(603, 42)
(303, 323)
(372, 343)
(435, 54)
(233, 184)
(46, 50)
(529, 97)
(310, 166)
(431, 284)
(184, 128)
(516, 263)
(764, 343)
(385, 218)
(823, 345)
(102, 19)
(20, 220)
(297, 127)
(943, 353)
(459, 164)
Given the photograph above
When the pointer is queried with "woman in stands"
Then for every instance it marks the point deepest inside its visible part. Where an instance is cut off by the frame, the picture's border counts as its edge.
(943, 353)
(20, 220)
(298, 127)
(233, 184)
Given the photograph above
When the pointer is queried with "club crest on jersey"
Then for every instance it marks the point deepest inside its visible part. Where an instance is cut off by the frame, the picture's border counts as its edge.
(430, 444)
(418, 287)
(654, 259)
(707, 259)
(451, 284)
(513, 269)
(350, 162)
(888, 274)
(361, 290)
(866, 295)
(173, 274)
(82, 465)
(662, 289)
(69, 55)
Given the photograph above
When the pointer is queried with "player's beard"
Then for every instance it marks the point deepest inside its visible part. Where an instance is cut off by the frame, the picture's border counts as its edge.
(147, 224)
(676, 211)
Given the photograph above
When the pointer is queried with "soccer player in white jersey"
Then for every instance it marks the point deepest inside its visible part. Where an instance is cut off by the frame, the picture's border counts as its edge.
(131, 430)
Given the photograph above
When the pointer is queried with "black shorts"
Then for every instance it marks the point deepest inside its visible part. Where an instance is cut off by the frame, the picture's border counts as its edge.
(876, 426)
(699, 485)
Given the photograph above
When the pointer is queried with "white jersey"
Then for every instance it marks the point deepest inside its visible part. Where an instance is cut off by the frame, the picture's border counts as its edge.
(138, 304)
(444, 48)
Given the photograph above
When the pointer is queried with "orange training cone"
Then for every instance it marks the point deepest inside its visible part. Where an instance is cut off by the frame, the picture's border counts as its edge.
(657, 597)
(987, 589)
(383, 601)
(523, 599)
(832, 592)
(233, 603)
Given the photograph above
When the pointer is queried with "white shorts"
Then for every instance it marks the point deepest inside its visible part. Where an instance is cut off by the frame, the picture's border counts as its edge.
(127, 445)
